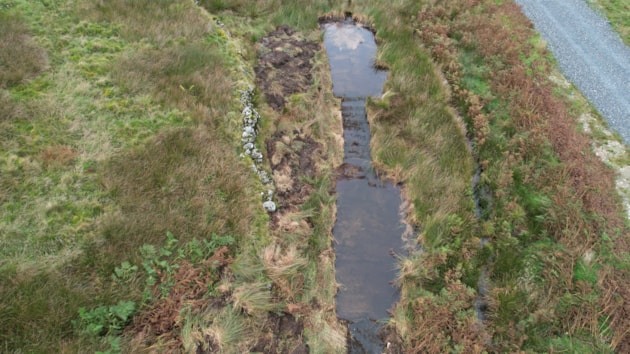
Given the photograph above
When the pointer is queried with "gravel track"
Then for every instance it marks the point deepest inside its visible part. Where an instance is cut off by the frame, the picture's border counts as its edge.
(590, 55)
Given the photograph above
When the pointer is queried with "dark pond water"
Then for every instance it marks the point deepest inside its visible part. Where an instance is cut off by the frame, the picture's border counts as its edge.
(369, 229)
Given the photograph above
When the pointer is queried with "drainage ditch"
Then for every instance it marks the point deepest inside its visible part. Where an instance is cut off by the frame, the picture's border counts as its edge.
(370, 227)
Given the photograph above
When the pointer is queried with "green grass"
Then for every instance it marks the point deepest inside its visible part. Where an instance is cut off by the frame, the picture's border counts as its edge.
(103, 153)
(225, 331)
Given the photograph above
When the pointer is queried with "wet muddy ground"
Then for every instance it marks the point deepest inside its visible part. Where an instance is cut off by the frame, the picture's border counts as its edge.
(292, 156)
(369, 227)
(284, 335)
(284, 68)
(284, 65)
(285, 62)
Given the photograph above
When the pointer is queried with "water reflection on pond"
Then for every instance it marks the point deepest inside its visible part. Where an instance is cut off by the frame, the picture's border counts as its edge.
(369, 227)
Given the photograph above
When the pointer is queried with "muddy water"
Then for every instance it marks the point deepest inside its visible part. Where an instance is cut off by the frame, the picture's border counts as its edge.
(369, 229)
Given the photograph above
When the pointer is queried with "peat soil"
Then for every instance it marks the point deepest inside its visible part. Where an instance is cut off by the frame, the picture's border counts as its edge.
(284, 335)
(285, 63)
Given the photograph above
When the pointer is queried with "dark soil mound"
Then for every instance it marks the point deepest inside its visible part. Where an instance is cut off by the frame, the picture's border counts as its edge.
(284, 65)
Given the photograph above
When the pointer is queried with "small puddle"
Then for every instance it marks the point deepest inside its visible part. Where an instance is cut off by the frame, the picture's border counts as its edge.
(370, 227)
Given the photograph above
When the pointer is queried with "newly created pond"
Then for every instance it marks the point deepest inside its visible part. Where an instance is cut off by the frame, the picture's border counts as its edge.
(370, 227)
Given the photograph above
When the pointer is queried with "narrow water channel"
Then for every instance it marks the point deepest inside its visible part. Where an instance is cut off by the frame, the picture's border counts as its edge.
(369, 228)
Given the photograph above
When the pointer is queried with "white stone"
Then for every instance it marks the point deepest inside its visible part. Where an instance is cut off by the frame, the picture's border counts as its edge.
(249, 130)
(269, 206)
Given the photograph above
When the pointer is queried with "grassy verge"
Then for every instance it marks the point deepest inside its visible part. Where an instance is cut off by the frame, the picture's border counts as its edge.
(551, 263)
(618, 13)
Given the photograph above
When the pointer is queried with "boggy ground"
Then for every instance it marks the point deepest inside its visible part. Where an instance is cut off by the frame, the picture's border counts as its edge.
(298, 156)
(284, 65)
(284, 336)
(284, 68)
(303, 147)
(292, 156)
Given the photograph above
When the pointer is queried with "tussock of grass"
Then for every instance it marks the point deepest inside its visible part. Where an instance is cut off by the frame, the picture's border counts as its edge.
(20, 57)
(285, 269)
(222, 332)
(324, 337)
(253, 298)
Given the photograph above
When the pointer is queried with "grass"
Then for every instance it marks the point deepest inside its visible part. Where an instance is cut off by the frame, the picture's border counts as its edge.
(618, 14)
(17, 42)
(223, 333)
(121, 182)
(536, 151)
(95, 165)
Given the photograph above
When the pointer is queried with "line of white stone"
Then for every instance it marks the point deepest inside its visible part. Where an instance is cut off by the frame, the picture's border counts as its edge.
(248, 138)
(250, 132)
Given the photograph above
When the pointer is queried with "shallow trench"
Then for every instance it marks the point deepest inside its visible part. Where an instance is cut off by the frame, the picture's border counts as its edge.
(370, 227)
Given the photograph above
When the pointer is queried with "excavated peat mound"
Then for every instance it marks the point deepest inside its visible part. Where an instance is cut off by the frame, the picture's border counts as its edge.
(284, 336)
(292, 157)
(284, 65)
(285, 62)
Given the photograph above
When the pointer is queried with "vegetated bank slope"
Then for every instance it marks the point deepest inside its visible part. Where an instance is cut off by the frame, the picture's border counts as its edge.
(126, 124)
(558, 236)
(590, 54)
